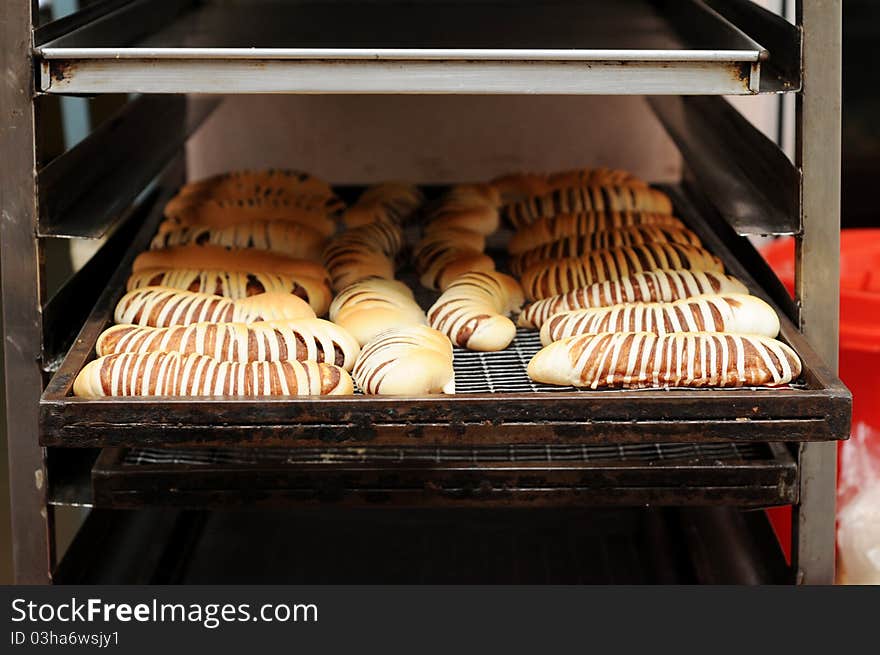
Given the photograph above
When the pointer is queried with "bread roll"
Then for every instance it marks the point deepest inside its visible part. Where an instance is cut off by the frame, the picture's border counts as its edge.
(234, 285)
(553, 228)
(575, 246)
(522, 185)
(224, 213)
(161, 307)
(291, 239)
(274, 341)
(413, 361)
(552, 278)
(650, 286)
(371, 306)
(583, 199)
(483, 219)
(217, 257)
(256, 183)
(391, 201)
(473, 309)
(176, 374)
(736, 313)
(363, 252)
(681, 359)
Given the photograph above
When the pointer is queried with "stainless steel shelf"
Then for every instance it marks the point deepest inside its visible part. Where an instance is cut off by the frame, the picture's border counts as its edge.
(488, 46)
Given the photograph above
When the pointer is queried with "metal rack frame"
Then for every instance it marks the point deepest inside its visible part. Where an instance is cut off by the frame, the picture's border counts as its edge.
(34, 67)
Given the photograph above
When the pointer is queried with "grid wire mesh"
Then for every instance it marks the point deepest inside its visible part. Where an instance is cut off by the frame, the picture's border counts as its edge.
(695, 454)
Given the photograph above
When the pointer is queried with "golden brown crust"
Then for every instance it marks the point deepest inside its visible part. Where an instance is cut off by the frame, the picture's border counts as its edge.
(583, 199)
(575, 246)
(553, 228)
(649, 286)
(552, 278)
(217, 257)
(235, 285)
(176, 374)
(683, 359)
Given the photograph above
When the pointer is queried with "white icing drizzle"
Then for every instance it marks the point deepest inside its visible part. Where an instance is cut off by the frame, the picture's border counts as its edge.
(640, 359)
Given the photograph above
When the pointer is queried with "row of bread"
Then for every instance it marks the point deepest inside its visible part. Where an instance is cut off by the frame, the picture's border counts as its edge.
(227, 298)
(238, 257)
(627, 296)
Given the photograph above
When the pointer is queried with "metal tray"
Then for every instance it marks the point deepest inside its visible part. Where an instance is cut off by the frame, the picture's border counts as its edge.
(747, 475)
(492, 411)
(493, 46)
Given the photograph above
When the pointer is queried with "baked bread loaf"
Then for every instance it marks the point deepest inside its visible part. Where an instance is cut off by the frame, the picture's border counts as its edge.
(161, 307)
(396, 202)
(362, 252)
(551, 278)
(413, 361)
(553, 228)
(275, 341)
(575, 246)
(483, 219)
(214, 213)
(583, 199)
(650, 286)
(452, 264)
(234, 284)
(257, 183)
(522, 185)
(473, 309)
(374, 305)
(735, 313)
(291, 239)
(243, 260)
(681, 359)
(176, 374)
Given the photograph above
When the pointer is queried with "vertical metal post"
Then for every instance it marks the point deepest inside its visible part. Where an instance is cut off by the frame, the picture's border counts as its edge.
(31, 517)
(818, 269)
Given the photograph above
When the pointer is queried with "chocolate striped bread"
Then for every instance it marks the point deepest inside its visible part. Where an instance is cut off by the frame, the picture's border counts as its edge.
(681, 359)
(473, 309)
(161, 307)
(275, 341)
(551, 278)
(605, 197)
(176, 374)
(235, 285)
(577, 245)
(553, 228)
(409, 361)
(292, 239)
(736, 313)
(650, 286)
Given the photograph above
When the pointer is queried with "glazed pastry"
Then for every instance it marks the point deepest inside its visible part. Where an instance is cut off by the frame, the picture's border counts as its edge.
(518, 186)
(257, 183)
(583, 199)
(242, 260)
(161, 307)
(317, 213)
(176, 374)
(473, 309)
(391, 201)
(371, 306)
(234, 285)
(363, 252)
(681, 359)
(575, 246)
(413, 361)
(650, 286)
(553, 228)
(275, 341)
(735, 313)
(552, 278)
(291, 239)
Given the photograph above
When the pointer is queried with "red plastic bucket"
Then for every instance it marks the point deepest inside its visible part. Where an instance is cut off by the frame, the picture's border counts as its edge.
(859, 342)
